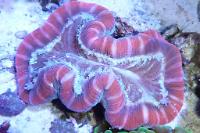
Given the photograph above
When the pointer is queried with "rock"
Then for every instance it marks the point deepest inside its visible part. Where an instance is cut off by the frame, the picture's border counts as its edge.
(123, 29)
(189, 45)
(52, 7)
(198, 11)
(170, 31)
(10, 104)
(4, 127)
(62, 126)
(189, 119)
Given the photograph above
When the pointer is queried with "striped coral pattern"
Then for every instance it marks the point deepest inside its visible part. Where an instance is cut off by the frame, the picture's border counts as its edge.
(91, 46)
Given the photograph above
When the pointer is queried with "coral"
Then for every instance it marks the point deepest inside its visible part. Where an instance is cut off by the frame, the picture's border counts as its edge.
(103, 126)
(157, 129)
(182, 130)
(74, 57)
(108, 131)
(167, 129)
(10, 104)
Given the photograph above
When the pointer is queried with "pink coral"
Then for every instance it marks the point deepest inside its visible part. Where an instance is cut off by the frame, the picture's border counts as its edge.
(138, 78)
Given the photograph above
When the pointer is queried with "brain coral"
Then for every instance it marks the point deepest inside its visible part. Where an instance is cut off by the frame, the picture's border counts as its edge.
(74, 57)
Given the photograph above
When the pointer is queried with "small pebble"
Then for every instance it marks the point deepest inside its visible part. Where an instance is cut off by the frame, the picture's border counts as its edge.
(21, 34)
